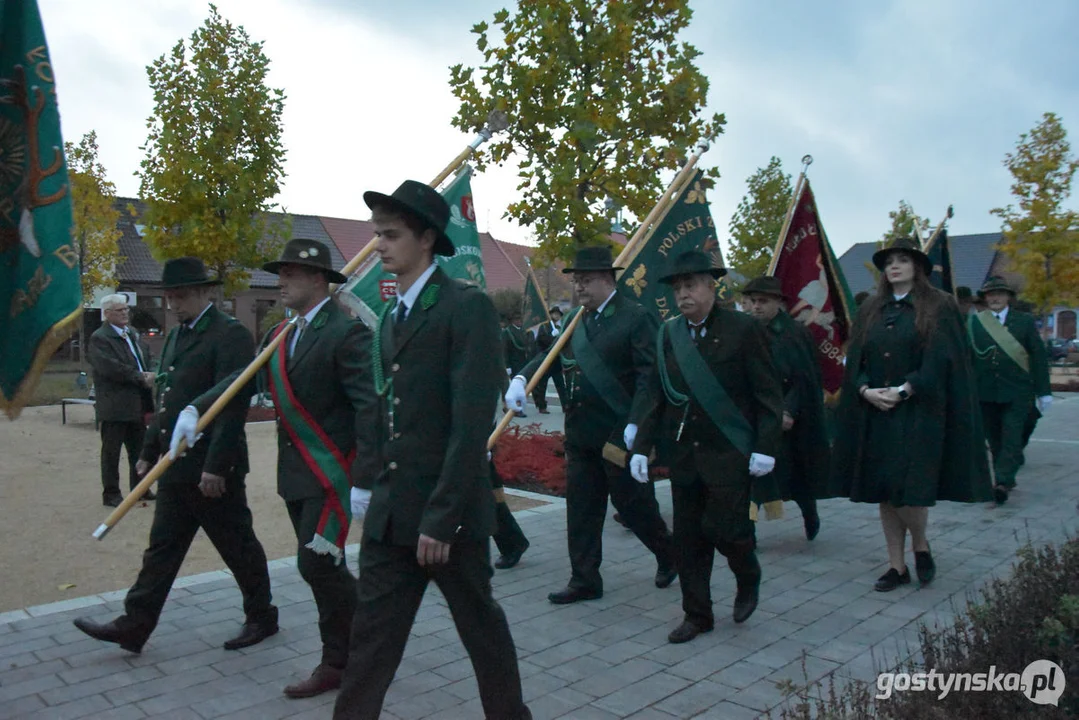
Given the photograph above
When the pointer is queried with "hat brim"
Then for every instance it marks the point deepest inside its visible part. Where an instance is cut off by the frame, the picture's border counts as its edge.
(443, 244)
(567, 271)
(331, 274)
(880, 255)
(191, 283)
(770, 293)
(716, 274)
(983, 293)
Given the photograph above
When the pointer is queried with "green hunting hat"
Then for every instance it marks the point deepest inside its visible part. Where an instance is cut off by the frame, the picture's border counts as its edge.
(308, 253)
(420, 201)
(185, 272)
(963, 293)
(691, 262)
(909, 246)
(995, 283)
(594, 258)
(764, 285)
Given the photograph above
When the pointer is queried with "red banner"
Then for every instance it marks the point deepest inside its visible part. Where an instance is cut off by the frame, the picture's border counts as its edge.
(815, 291)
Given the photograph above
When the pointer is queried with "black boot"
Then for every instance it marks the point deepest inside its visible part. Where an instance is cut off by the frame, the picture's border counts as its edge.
(747, 571)
(810, 518)
(509, 539)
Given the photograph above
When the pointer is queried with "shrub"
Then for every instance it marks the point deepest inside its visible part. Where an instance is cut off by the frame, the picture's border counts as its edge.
(528, 458)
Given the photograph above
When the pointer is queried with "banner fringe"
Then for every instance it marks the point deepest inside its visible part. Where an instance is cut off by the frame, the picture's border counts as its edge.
(46, 348)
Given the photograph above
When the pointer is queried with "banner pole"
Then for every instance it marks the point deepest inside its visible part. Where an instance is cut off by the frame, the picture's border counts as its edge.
(807, 160)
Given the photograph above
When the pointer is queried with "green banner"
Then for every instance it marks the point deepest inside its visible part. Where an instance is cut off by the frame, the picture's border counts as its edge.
(371, 288)
(40, 293)
(687, 226)
(533, 306)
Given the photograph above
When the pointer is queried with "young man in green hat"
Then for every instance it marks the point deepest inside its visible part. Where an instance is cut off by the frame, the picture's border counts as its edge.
(801, 472)
(1011, 369)
(719, 406)
(327, 418)
(430, 511)
(607, 397)
(204, 487)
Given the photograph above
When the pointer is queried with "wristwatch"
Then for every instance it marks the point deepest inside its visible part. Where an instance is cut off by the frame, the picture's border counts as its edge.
(903, 394)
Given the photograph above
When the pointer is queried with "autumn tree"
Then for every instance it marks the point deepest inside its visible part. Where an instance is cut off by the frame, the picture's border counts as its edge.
(1041, 236)
(758, 220)
(94, 231)
(214, 158)
(905, 223)
(601, 96)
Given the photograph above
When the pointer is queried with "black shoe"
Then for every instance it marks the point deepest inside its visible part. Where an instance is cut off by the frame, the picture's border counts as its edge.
(891, 580)
(812, 525)
(520, 414)
(112, 500)
(572, 595)
(252, 633)
(1000, 494)
(149, 496)
(665, 576)
(924, 567)
(121, 631)
(745, 602)
(508, 560)
(686, 632)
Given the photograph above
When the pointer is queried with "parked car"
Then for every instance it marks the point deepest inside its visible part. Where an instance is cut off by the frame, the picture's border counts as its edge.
(1058, 349)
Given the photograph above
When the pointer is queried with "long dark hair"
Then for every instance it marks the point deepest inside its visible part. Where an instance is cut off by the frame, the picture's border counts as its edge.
(927, 300)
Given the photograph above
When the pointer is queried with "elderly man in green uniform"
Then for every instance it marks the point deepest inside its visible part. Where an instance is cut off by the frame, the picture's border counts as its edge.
(327, 419)
(1011, 369)
(607, 397)
(204, 487)
(801, 472)
(430, 511)
(719, 404)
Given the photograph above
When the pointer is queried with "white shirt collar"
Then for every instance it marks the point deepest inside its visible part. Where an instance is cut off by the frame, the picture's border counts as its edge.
(195, 321)
(604, 305)
(310, 315)
(900, 297)
(119, 330)
(409, 298)
(1003, 314)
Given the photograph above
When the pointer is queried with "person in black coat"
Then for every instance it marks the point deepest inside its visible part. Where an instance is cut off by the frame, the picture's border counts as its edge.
(546, 336)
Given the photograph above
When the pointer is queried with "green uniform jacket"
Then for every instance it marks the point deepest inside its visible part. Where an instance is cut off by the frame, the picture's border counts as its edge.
(999, 378)
(119, 394)
(804, 450)
(192, 363)
(931, 446)
(735, 348)
(515, 347)
(445, 370)
(624, 337)
(330, 373)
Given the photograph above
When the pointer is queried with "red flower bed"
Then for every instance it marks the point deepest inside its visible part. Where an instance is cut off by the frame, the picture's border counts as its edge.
(528, 458)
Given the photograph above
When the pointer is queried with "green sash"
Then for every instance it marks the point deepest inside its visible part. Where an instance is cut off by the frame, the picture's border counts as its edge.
(1000, 335)
(598, 374)
(319, 453)
(706, 390)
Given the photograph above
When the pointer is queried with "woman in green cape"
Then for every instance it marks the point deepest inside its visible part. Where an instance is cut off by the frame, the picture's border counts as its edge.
(909, 430)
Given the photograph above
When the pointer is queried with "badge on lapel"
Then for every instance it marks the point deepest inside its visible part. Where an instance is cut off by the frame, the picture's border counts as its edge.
(429, 297)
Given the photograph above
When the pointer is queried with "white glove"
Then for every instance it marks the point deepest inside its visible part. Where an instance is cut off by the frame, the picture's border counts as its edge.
(359, 499)
(515, 396)
(629, 435)
(1044, 402)
(760, 465)
(554, 333)
(186, 425)
(638, 468)
(509, 371)
(488, 456)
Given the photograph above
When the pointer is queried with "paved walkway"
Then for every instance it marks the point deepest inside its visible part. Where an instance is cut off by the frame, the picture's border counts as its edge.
(602, 659)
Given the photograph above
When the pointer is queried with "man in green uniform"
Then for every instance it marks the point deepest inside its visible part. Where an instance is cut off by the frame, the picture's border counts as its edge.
(607, 397)
(718, 402)
(801, 472)
(430, 511)
(327, 420)
(515, 347)
(204, 487)
(1011, 369)
(546, 336)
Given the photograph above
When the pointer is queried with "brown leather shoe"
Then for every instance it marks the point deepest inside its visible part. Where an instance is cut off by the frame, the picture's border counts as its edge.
(121, 631)
(323, 679)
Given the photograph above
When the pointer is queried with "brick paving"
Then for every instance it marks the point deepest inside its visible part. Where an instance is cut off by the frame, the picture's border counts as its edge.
(603, 659)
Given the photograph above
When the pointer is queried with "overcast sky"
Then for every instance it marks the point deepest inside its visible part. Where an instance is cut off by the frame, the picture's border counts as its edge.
(917, 99)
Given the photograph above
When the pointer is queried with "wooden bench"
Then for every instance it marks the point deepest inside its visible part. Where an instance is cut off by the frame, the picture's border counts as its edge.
(64, 402)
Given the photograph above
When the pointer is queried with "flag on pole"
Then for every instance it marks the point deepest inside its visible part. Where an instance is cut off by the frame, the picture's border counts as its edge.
(40, 290)
(533, 306)
(816, 291)
(940, 255)
(370, 288)
(687, 226)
